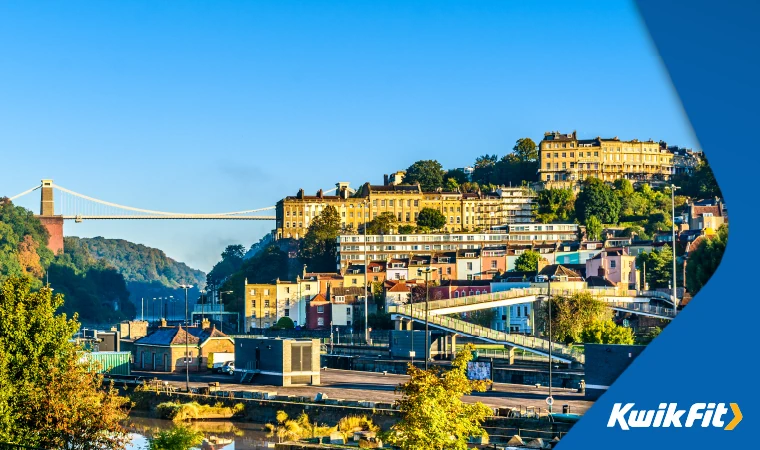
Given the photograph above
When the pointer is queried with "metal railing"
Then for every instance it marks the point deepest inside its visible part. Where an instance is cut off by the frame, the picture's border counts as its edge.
(469, 329)
(643, 308)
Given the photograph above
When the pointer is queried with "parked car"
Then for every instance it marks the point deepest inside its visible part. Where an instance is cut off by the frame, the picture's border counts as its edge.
(228, 368)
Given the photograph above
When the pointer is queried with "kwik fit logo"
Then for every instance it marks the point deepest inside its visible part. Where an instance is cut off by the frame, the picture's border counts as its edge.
(669, 415)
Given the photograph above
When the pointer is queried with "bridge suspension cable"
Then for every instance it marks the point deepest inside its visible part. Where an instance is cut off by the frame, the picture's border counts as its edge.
(25, 192)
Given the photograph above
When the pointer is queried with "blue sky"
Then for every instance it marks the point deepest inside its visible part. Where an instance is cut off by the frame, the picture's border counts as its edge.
(223, 106)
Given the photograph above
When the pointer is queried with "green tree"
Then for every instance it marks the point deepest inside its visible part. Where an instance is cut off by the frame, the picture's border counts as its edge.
(285, 323)
(428, 173)
(36, 353)
(406, 229)
(484, 169)
(597, 199)
(570, 315)
(593, 228)
(433, 413)
(180, 437)
(451, 185)
(431, 218)
(319, 247)
(457, 175)
(267, 266)
(606, 332)
(659, 266)
(526, 150)
(555, 205)
(699, 184)
(385, 223)
(380, 321)
(705, 259)
(528, 261)
(513, 171)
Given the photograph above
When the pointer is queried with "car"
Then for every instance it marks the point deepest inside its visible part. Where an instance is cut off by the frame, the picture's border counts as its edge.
(228, 368)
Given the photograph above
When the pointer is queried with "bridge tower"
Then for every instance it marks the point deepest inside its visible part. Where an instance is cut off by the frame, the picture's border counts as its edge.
(52, 223)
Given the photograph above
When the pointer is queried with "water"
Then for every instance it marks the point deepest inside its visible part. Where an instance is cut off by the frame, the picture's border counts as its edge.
(245, 436)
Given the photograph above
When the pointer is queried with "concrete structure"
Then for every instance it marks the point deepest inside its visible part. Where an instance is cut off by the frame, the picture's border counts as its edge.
(565, 160)
(133, 329)
(539, 232)
(278, 362)
(164, 349)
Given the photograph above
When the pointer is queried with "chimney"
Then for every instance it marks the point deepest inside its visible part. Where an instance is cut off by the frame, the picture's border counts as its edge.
(163, 323)
(602, 272)
(543, 262)
(205, 324)
(304, 271)
(320, 194)
(300, 193)
(385, 179)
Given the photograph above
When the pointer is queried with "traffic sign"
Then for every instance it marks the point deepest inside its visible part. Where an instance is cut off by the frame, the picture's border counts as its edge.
(549, 401)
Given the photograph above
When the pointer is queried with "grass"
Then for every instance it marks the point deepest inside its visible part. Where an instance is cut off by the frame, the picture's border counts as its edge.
(179, 412)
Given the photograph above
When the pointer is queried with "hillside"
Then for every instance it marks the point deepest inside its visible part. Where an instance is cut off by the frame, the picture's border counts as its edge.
(148, 272)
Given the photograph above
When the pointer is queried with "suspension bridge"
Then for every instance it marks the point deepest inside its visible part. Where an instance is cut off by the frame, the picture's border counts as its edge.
(58, 204)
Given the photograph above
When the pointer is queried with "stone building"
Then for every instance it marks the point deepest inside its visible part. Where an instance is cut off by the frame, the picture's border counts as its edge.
(164, 349)
(565, 160)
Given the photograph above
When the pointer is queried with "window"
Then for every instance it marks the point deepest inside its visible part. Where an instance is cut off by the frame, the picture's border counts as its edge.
(525, 310)
(321, 321)
(448, 271)
(287, 290)
(266, 291)
(320, 309)
(266, 303)
(548, 165)
(494, 264)
(456, 294)
(390, 202)
(612, 264)
(308, 287)
(253, 291)
(354, 281)
(564, 155)
(469, 266)
(572, 154)
(348, 310)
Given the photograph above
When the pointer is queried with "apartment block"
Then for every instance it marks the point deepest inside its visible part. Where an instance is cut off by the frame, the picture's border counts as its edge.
(565, 160)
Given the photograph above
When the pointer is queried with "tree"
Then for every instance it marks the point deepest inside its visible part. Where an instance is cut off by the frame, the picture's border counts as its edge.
(451, 185)
(483, 172)
(528, 261)
(380, 321)
(555, 205)
(180, 437)
(434, 415)
(659, 266)
(285, 323)
(35, 355)
(597, 199)
(705, 259)
(319, 247)
(593, 228)
(526, 150)
(266, 266)
(384, 223)
(431, 218)
(428, 173)
(457, 175)
(606, 332)
(406, 229)
(570, 315)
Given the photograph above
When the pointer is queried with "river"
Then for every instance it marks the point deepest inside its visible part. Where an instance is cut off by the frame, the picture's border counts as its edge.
(245, 435)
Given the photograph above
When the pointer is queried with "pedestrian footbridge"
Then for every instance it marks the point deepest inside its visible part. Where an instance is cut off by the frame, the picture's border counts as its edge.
(637, 302)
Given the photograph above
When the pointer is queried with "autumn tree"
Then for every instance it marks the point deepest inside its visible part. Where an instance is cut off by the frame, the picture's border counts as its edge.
(428, 173)
(433, 413)
(319, 247)
(35, 355)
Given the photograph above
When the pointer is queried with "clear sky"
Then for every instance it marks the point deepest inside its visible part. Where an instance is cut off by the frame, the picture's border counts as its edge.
(220, 106)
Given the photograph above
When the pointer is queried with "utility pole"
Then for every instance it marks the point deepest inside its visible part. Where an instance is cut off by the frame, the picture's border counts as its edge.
(673, 188)
(187, 344)
(365, 211)
(549, 297)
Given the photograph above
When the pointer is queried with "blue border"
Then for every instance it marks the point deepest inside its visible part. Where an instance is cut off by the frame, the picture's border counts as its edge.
(710, 50)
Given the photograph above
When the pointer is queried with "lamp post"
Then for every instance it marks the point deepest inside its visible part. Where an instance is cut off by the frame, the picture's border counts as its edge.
(673, 188)
(186, 287)
(203, 304)
(427, 271)
(549, 297)
(365, 211)
(153, 309)
(169, 301)
(221, 317)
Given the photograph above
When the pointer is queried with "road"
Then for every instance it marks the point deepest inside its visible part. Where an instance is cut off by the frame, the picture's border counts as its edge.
(355, 385)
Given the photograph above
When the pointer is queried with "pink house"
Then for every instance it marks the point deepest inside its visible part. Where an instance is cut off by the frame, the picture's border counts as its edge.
(614, 265)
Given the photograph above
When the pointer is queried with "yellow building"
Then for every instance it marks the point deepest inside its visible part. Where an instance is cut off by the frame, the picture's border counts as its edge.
(462, 211)
(260, 307)
(565, 160)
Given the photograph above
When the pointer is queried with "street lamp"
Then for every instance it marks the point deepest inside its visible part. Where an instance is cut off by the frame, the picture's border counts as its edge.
(427, 271)
(203, 305)
(153, 309)
(673, 188)
(186, 287)
(221, 317)
(365, 212)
